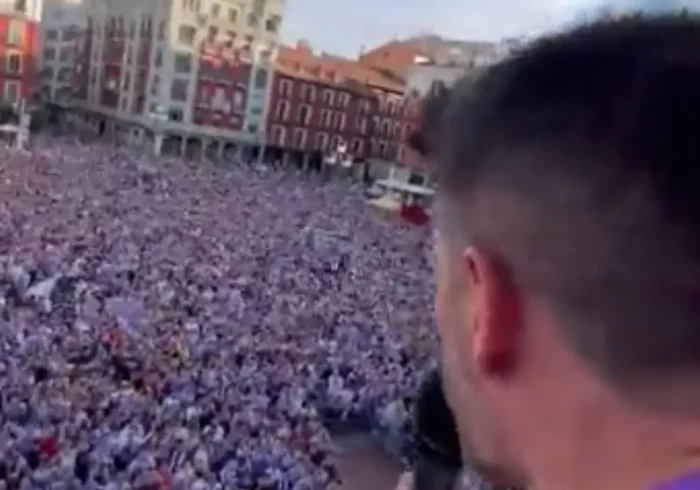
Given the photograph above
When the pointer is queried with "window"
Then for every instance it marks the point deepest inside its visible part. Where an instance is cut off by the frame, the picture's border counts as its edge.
(260, 78)
(175, 114)
(13, 64)
(365, 106)
(272, 24)
(356, 147)
(304, 115)
(326, 117)
(416, 179)
(49, 54)
(215, 10)
(279, 134)
(204, 94)
(186, 34)
(252, 128)
(386, 127)
(51, 34)
(328, 97)
(335, 143)
(147, 25)
(132, 29)
(321, 141)
(253, 20)
(285, 88)
(230, 39)
(158, 61)
(282, 112)
(183, 63)
(340, 121)
(14, 33)
(65, 74)
(361, 124)
(299, 138)
(47, 73)
(212, 32)
(20, 6)
(155, 86)
(265, 56)
(232, 15)
(11, 91)
(344, 99)
(308, 92)
(178, 90)
(66, 54)
(238, 100)
(69, 34)
(161, 31)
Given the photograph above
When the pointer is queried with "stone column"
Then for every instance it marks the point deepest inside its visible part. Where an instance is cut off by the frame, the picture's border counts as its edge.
(241, 152)
(158, 145)
(203, 149)
(183, 147)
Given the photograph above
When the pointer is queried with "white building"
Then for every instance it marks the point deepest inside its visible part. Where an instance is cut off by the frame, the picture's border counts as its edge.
(62, 24)
(189, 73)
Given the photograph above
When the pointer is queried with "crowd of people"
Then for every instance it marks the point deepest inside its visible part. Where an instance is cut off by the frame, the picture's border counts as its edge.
(171, 324)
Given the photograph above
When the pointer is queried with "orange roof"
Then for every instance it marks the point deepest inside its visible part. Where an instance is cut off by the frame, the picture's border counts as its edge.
(300, 62)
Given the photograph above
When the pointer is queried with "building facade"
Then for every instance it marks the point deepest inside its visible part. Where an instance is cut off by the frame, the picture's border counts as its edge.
(63, 22)
(323, 106)
(18, 51)
(190, 76)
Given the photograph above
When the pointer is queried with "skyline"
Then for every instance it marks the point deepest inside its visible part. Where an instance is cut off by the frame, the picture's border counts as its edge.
(372, 22)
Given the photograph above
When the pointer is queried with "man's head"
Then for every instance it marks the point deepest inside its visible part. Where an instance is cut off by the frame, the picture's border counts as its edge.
(568, 241)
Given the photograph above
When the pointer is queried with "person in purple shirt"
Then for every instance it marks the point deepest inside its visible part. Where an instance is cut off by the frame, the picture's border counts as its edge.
(568, 257)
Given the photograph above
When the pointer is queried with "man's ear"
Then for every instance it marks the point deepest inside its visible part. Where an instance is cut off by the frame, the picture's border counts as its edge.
(494, 312)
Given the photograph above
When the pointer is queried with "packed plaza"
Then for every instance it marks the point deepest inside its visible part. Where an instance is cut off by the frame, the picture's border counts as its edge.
(175, 324)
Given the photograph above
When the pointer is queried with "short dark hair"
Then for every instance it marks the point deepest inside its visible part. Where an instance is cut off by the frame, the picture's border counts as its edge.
(577, 161)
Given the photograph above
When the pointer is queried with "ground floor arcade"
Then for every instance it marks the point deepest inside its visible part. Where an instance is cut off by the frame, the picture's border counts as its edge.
(194, 146)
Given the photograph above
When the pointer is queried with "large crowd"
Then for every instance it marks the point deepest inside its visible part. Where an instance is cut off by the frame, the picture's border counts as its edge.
(171, 324)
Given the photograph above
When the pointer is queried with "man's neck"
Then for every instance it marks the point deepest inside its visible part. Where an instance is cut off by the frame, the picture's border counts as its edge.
(640, 455)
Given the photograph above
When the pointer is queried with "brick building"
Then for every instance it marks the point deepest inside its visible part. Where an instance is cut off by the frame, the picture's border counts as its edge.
(420, 62)
(18, 50)
(321, 103)
(186, 75)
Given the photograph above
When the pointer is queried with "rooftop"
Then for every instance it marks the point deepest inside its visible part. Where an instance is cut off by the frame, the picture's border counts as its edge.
(301, 62)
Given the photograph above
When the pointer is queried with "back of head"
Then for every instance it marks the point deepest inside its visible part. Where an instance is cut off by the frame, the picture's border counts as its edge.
(586, 146)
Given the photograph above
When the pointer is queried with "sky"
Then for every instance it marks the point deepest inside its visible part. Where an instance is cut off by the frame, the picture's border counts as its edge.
(345, 26)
